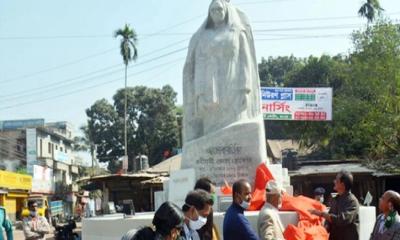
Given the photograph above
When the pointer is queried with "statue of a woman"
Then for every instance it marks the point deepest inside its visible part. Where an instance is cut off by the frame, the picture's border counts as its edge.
(220, 77)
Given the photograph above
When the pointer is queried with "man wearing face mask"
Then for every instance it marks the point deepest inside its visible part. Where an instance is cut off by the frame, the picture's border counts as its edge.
(269, 224)
(236, 226)
(197, 207)
(35, 226)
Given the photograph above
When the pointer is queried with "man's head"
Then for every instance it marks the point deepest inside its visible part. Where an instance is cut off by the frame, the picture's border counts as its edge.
(389, 202)
(273, 194)
(343, 182)
(241, 193)
(206, 184)
(197, 207)
(319, 193)
(32, 206)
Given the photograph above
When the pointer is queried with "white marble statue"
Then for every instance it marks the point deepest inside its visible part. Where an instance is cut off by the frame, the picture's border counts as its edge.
(220, 77)
(223, 127)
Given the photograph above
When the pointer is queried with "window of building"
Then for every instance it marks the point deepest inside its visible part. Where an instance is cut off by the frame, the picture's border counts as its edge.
(56, 147)
(49, 146)
(61, 149)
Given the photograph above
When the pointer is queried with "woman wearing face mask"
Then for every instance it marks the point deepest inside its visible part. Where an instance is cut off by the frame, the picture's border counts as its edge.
(167, 221)
(197, 207)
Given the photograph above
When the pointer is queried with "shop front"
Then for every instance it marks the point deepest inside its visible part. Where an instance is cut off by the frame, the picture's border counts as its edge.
(14, 190)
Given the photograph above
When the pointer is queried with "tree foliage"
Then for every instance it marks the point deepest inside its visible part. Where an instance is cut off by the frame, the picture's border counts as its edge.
(366, 102)
(128, 44)
(152, 126)
(370, 10)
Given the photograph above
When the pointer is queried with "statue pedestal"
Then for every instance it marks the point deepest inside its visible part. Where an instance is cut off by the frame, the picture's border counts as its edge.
(231, 153)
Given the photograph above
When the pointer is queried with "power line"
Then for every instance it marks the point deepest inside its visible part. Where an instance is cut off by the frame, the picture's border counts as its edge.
(271, 39)
(97, 71)
(314, 19)
(59, 66)
(87, 88)
(303, 37)
(73, 82)
(10, 141)
(329, 27)
(167, 54)
(256, 30)
(261, 2)
(106, 51)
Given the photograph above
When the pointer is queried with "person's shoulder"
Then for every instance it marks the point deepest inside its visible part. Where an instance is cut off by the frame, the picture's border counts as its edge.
(353, 198)
(231, 209)
(267, 209)
(380, 216)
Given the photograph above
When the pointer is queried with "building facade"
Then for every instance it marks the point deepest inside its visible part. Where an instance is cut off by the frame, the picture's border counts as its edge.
(45, 152)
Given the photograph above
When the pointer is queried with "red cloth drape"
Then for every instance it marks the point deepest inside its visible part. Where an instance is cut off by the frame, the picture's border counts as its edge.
(309, 226)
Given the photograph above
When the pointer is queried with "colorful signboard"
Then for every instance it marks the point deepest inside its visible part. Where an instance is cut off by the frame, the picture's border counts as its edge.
(299, 104)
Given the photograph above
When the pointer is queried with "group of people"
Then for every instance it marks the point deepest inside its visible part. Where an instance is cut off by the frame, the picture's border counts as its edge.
(194, 220)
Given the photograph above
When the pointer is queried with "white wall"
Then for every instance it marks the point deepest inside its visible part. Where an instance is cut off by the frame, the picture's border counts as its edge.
(112, 227)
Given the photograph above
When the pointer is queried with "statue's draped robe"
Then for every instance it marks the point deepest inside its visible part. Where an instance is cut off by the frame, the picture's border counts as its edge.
(220, 77)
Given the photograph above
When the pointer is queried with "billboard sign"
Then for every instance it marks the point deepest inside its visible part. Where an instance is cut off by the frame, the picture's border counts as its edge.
(299, 104)
(18, 124)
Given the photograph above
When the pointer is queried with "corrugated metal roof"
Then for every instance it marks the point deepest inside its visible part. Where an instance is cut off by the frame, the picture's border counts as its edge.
(134, 175)
(331, 169)
(156, 180)
(166, 166)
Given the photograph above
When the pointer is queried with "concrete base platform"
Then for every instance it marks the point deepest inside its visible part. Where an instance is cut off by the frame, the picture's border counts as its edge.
(111, 227)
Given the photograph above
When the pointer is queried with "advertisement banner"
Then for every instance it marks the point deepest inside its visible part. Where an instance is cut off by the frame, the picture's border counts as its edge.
(42, 181)
(298, 104)
(31, 146)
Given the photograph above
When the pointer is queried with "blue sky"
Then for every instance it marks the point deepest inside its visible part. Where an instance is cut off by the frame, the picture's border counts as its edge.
(59, 57)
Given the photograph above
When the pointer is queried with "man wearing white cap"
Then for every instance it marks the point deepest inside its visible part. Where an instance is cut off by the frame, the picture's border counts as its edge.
(269, 223)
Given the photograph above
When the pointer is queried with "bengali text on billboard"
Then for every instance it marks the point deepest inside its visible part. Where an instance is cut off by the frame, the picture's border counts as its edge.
(299, 104)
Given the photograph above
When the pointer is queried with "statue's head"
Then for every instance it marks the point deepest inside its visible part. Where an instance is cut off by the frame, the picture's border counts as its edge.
(218, 13)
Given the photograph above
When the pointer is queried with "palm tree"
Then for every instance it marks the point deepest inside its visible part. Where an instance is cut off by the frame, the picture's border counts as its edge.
(370, 9)
(128, 52)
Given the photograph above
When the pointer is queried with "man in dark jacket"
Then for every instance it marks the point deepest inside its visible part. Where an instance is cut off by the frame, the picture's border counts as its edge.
(342, 220)
(236, 226)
